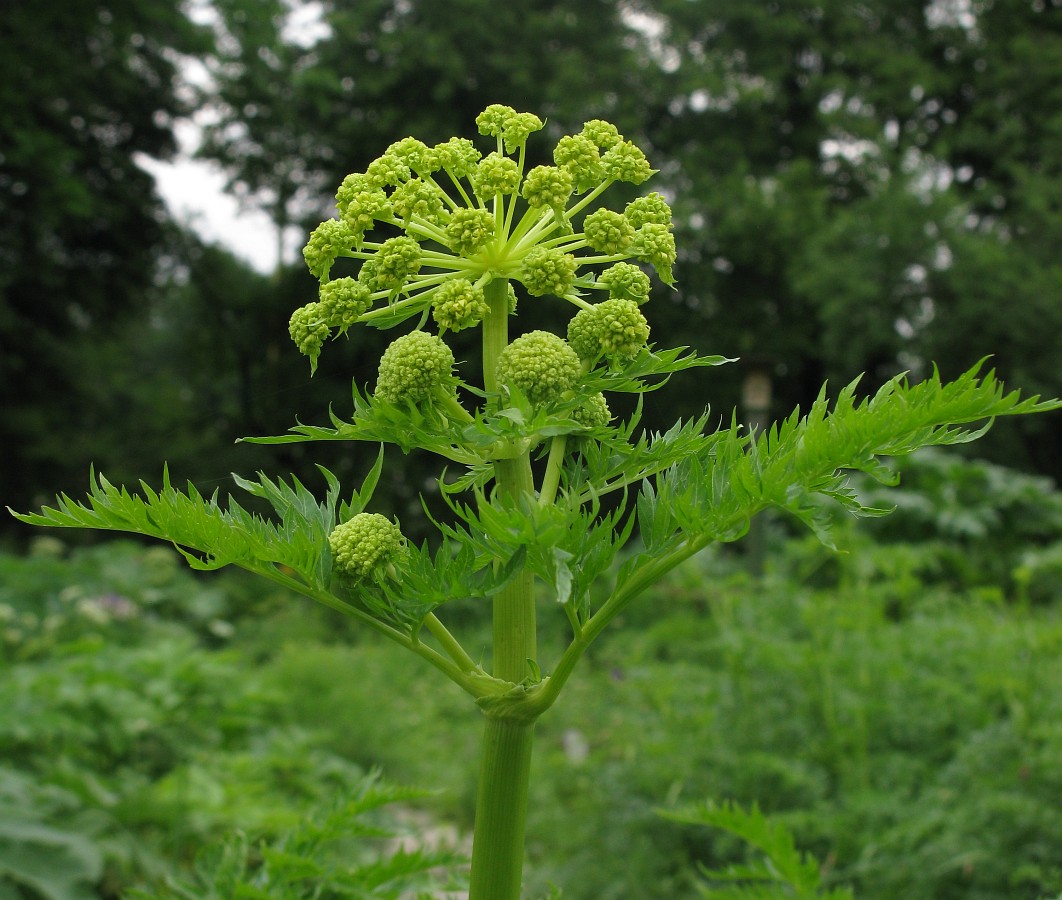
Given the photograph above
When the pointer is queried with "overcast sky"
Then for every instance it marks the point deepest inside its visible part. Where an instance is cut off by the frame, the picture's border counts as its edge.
(194, 190)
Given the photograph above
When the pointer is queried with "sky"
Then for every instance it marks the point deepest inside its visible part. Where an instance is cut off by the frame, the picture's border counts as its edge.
(194, 190)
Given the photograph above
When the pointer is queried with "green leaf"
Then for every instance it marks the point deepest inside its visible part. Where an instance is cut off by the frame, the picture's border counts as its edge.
(208, 535)
(56, 864)
(783, 871)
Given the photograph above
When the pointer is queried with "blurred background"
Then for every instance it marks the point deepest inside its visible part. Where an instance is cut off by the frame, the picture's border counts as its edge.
(860, 188)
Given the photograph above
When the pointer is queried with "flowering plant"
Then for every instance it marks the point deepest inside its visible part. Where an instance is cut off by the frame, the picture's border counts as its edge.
(529, 429)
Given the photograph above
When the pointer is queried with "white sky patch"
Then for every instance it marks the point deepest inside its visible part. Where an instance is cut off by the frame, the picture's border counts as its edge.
(305, 24)
(194, 189)
(194, 192)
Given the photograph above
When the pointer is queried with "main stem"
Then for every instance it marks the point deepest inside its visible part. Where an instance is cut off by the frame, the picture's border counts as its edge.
(501, 800)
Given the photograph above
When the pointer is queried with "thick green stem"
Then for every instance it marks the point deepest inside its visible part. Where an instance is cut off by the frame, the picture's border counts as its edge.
(501, 810)
(551, 479)
(501, 804)
(495, 330)
(514, 604)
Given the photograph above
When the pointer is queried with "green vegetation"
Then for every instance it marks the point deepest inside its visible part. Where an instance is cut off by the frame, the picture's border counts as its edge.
(535, 447)
(838, 190)
(900, 720)
(845, 197)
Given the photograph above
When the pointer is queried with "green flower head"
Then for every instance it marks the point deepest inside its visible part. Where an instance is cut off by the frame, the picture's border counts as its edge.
(413, 367)
(652, 208)
(608, 232)
(398, 259)
(580, 156)
(308, 327)
(541, 365)
(594, 413)
(415, 155)
(363, 546)
(458, 156)
(390, 170)
(626, 281)
(548, 271)
(548, 186)
(469, 230)
(614, 329)
(459, 304)
(602, 134)
(625, 162)
(418, 198)
(343, 300)
(495, 174)
(655, 244)
(462, 218)
(329, 239)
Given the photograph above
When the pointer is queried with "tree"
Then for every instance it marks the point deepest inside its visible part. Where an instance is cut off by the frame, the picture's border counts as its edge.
(845, 169)
(875, 183)
(84, 89)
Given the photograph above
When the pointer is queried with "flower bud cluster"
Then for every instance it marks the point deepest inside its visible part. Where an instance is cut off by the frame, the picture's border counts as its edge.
(465, 218)
(548, 270)
(614, 329)
(362, 546)
(459, 304)
(469, 230)
(413, 367)
(541, 365)
(626, 281)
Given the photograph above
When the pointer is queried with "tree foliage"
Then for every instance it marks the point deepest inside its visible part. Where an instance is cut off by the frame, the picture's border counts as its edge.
(84, 89)
(866, 188)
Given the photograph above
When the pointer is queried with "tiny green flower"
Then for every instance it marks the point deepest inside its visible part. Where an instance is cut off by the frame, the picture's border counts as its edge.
(308, 327)
(608, 232)
(580, 156)
(626, 281)
(594, 413)
(548, 186)
(469, 230)
(655, 244)
(459, 304)
(625, 162)
(416, 155)
(362, 211)
(351, 186)
(615, 329)
(495, 174)
(458, 156)
(393, 263)
(652, 208)
(328, 240)
(387, 171)
(603, 134)
(494, 118)
(517, 130)
(343, 300)
(418, 198)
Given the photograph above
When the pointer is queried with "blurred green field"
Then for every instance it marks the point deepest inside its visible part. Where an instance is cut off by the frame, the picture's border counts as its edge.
(898, 706)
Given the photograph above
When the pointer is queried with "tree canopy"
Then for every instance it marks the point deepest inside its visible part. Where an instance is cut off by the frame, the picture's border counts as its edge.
(858, 188)
(85, 88)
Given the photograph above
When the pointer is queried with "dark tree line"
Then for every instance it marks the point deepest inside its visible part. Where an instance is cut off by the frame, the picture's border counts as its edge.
(863, 187)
